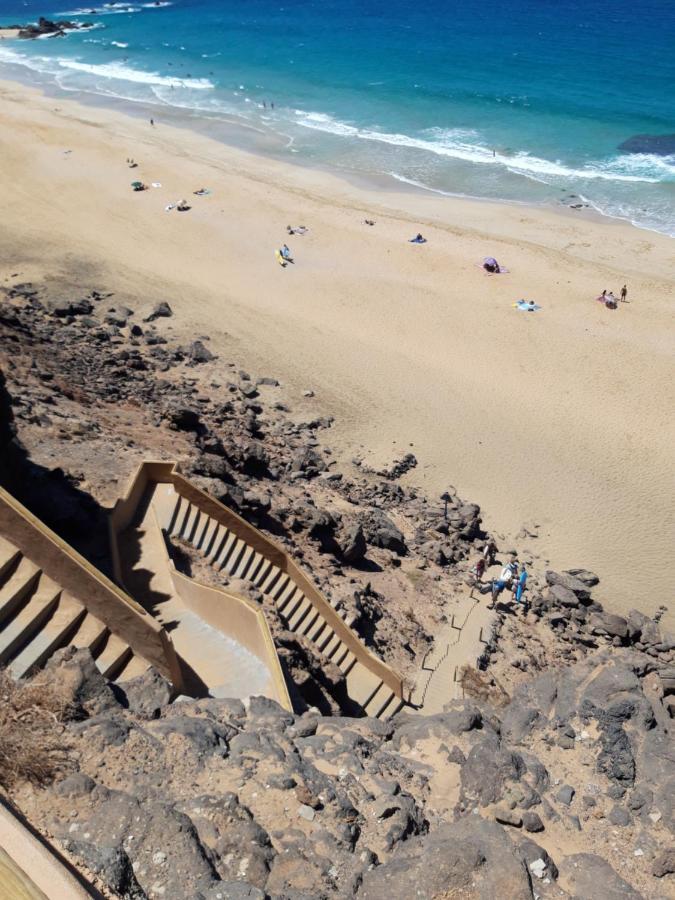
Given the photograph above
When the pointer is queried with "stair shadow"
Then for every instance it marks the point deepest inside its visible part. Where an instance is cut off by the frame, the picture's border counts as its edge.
(50, 494)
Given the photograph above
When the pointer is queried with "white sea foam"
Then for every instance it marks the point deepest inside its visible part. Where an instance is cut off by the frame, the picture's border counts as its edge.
(108, 9)
(119, 44)
(121, 72)
(454, 144)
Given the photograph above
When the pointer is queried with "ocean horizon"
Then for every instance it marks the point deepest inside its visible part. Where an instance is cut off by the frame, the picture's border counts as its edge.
(529, 103)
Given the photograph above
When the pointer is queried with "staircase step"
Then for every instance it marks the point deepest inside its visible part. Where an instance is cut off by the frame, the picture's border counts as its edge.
(347, 664)
(301, 611)
(259, 563)
(317, 630)
(9, 555)
(332, 646)
(285, 594)
(362, 684)
(53, 635)
(192, 524)
(268, 585)
(219, 539)
(244, 563)
(182, 517)
(341, 652)
(174, 517)
(288, 606)
(263, 573)
(234, 559)
(201, 531)
(325, 639)
(20, 583)
(209, 537)
(282, 587)
(135, 667)
(90, 634)
(391, 708)
(231, 551)
(379, 701)
(114, 655)
(30, 619)
(308, 622)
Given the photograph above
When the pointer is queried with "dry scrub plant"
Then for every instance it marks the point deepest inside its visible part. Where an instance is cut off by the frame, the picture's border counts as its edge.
(32, 743)
(481, 686)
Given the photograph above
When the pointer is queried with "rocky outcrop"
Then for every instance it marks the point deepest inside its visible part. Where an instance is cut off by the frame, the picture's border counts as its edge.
(45, 27)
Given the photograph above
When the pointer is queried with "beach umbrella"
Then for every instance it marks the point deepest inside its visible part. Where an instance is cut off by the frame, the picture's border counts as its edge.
(490, 261)
(136, 184)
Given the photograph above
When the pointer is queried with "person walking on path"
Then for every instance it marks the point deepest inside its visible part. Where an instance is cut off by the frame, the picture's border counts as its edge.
(489, 552)
(476, 575)
(624, 294)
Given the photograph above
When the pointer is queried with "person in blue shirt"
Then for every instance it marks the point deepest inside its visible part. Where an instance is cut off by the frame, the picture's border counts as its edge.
(519, 585)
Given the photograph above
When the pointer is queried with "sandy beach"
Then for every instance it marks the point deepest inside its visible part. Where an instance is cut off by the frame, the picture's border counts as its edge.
(559, 423)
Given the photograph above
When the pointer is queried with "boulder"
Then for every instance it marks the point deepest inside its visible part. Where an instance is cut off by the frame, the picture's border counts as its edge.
(159, 311)
(609, 624)
(471, 857)
(75, 676)
(146, 694)
(352, 544)
(588, 876)
(569, 581)
(664, 864)
(380, 531)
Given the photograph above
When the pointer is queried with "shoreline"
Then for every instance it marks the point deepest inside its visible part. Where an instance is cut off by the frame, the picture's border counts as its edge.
(230, 132)
(404, 345)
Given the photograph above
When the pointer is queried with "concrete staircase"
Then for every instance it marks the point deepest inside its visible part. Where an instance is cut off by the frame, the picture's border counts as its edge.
(231, 554)
(38, 617)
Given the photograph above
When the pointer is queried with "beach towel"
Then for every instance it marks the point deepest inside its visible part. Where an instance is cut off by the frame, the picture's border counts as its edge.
(156, 184)
(170, 207)
(204, 192)
(417, 240)
(525, 306)
(488, 259)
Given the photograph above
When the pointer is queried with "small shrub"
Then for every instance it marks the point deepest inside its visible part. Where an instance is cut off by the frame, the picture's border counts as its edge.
(481, 686)
(32, 745)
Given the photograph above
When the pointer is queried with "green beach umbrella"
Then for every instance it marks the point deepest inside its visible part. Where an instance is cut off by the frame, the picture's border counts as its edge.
(136, 184)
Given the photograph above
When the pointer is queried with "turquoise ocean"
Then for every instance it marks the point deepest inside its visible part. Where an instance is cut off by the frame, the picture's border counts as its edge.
(528, 100)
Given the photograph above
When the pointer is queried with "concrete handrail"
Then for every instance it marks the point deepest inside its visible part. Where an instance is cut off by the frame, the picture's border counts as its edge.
(73, 573)
(167, 473)
(47, 873)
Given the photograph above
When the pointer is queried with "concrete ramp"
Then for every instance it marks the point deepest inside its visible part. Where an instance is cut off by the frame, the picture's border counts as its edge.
(222, 640)
(235, 548)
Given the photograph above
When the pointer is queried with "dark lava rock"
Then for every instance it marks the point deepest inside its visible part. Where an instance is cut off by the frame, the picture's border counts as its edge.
(532, 822)
(352, 543)
(590, 877)
(565, 794)
(111, 864)
(159, 311)
(661, 144)
(62, 308)
(473, 858)
(664, 864)
(608, 623)
(183, 418)
(380, 531)
(147, 694)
